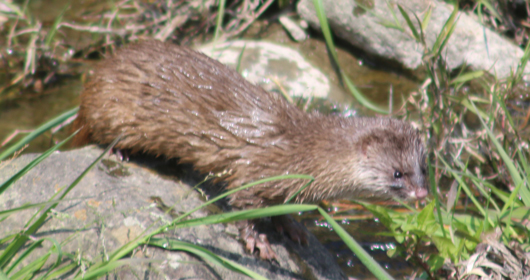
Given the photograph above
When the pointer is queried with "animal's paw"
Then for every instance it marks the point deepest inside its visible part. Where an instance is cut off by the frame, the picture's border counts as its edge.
(285, 224)
(255, 240)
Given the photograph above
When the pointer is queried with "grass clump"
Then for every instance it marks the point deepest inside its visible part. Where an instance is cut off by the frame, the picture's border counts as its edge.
(478, 169)
(38, 52)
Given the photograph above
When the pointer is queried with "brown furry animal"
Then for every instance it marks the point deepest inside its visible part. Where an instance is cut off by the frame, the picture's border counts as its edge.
(169, 100)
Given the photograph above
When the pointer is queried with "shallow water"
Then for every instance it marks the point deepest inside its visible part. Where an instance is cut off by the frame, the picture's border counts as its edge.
(367, 232)
(33, 109)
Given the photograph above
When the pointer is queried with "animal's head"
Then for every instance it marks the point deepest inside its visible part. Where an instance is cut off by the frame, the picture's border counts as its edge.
(392, 163)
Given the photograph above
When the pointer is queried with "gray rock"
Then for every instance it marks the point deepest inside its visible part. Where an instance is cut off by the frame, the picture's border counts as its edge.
(294, 29)
(471, 43)
(263, 62)
(113, 204)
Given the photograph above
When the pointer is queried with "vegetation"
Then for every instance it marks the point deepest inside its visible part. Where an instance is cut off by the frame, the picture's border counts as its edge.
(475, 123)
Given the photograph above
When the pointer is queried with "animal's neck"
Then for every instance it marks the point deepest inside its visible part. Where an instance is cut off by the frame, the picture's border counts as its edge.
(321, 145)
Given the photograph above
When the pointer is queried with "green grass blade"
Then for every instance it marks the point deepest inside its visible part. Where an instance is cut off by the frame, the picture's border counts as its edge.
(467, 77)
(41, 129)
(249, 214)
(13, 8)
(446, 32)
(500, 100)
(476, 181)
(25, 207)
(490, 8)
(522, 66)
(409, 23)
(383, 21)
(524, 164)
(61, 272)
(28, 270)
(446, 39)
(514, 173)
(55, 26)
(59, 257)
(219, 23)
(275, 178)
(299, 191)
(108, 268)
(511, 199)
(475, 110)
(360, 97)
(32, 164)
(426, 19)
(232, 216)
(30, 65)
(240, 59)
(396, 23)
(466, 189)
(326, 31)
(479, 184)
(324, 26)
(36, 265)
(363, 256)
(14, 247)
(502, 195)
(204, 254)
(214, 219)
(80, 177)
(436, 197)
(24, 255)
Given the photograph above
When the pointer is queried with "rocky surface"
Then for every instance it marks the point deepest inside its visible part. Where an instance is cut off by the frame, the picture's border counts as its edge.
(114, 203)
(471, 43)
(272, 66)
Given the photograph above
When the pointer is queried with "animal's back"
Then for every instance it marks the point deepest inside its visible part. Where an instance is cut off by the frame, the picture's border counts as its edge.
(170, 100)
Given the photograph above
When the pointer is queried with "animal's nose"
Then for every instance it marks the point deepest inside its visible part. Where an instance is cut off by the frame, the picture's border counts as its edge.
(421, 193)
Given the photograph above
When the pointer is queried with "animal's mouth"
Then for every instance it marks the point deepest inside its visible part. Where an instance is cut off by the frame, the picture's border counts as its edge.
(417, 194)
(413, 194)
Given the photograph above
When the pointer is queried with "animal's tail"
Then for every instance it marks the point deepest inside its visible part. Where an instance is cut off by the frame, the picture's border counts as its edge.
(83, 137)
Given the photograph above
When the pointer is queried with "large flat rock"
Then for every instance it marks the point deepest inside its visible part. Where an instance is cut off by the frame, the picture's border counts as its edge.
(471, 43)
(114, 204)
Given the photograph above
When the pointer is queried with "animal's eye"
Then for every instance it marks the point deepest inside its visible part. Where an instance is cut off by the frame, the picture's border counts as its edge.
(398, 174)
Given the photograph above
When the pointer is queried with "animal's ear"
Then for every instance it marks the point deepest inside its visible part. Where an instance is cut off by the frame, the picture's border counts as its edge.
(364, 146)
(368, 141)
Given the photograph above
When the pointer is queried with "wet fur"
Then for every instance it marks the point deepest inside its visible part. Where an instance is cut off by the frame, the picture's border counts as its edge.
(169, 100)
